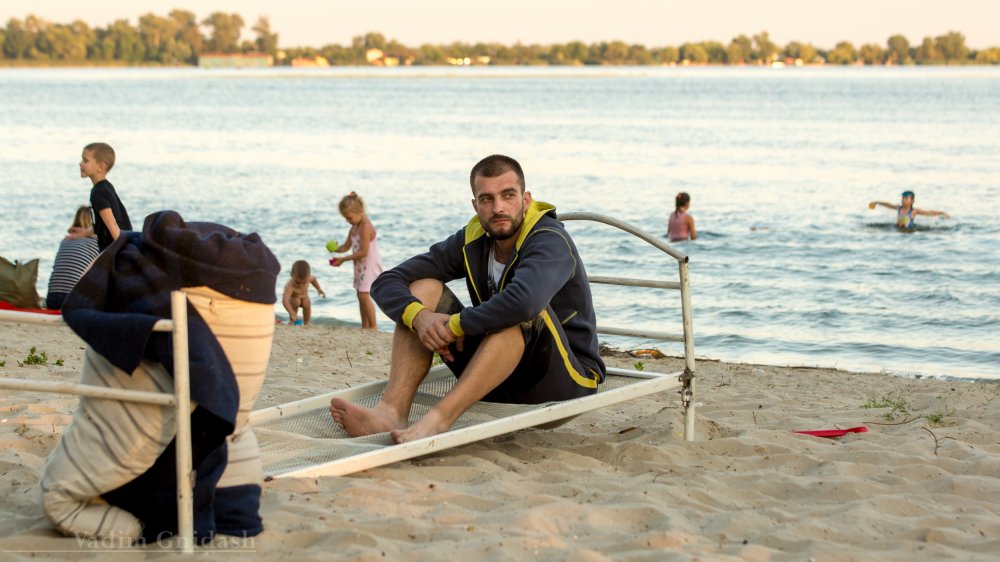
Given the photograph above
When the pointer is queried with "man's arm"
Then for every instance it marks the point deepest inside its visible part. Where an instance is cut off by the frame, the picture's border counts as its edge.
(434, 333)
(391, 290)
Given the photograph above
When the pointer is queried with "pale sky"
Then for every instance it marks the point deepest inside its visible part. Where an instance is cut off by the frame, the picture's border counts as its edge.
(654, 23)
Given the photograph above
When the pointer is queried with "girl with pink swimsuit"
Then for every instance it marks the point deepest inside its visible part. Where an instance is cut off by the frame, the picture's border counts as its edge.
(361, 241)
(680, 226)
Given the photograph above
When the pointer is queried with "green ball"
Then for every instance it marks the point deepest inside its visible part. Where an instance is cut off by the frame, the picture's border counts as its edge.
(332, 245)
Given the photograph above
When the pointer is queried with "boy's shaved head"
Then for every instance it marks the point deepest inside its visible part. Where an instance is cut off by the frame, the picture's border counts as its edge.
(103, 153)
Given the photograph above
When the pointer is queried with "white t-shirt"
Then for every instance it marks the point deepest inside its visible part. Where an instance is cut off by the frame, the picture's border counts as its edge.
(495, 272)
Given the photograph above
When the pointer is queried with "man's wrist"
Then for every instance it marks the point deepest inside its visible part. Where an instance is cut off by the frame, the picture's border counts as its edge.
(455, 325)
(410, 313)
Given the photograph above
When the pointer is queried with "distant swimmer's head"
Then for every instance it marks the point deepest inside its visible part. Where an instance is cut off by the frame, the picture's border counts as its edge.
(908, 194)
(682, 201)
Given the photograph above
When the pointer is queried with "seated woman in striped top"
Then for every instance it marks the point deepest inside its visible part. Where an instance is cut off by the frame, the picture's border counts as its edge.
(73, 259)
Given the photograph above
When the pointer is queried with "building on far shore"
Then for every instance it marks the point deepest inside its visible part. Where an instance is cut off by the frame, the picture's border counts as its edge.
(310, 62)
(469, 61)
(377, 57)
(235, 60)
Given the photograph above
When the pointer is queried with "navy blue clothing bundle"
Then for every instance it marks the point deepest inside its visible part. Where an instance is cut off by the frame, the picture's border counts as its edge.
(114, 307)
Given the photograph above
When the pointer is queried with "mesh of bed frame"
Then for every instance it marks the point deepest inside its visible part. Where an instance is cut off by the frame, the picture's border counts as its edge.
(312, 437)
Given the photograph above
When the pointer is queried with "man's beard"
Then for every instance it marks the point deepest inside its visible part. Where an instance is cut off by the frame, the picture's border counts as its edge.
(515, 226)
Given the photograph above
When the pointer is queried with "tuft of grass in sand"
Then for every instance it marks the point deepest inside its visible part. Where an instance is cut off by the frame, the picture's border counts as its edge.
(897, 406)
(940, 419)
(34, 358)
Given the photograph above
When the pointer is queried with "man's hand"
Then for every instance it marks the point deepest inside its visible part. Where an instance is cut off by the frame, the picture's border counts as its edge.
(433, 332)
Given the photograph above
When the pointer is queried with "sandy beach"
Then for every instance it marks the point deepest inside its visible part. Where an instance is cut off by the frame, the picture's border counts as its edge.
(618, 483)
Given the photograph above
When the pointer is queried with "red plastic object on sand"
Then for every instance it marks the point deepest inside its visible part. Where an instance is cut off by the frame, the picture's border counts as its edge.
(834, 432)
(4, 305)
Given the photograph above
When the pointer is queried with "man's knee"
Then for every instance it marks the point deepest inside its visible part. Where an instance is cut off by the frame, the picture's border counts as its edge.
(428, 291)
(511, 339)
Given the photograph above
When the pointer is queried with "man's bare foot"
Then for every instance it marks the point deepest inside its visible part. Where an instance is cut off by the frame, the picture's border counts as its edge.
(431, 424)
(358, 420)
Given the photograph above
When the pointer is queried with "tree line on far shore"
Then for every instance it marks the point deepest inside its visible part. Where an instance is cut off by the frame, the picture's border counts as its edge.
(180, 38)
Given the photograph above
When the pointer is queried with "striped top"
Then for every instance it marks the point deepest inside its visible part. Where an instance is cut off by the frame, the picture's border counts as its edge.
(72, 261)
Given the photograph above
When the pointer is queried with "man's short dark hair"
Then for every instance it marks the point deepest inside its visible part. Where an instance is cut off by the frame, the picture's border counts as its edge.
(493, 166)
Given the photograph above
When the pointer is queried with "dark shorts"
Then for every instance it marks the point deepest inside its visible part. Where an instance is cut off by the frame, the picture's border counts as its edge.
(548, 370)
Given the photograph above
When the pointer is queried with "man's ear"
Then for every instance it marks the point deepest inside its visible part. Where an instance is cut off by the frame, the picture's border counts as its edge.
(527, 199)
(474, 206)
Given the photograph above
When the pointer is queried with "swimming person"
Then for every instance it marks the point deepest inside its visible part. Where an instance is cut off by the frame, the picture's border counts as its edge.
(905, 211)
(680, 226)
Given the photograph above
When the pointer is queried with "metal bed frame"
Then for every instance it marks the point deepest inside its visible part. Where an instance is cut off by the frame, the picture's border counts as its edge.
(299, 439)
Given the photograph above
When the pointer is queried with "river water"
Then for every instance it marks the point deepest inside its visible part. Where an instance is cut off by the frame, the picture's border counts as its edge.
(792, 268)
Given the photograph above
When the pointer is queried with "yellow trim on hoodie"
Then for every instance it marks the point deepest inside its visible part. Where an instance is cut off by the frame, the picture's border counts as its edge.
(573, 373)
(455, 324)
(410, 312)
(474, 230)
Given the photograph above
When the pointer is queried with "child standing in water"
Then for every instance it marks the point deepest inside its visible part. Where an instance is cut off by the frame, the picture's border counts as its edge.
(905, 211)
(297, 293)
(680, 226)
(364, 252)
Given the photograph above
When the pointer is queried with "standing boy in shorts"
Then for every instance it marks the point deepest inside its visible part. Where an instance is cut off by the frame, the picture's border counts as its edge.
(110, 216)
(529, 337)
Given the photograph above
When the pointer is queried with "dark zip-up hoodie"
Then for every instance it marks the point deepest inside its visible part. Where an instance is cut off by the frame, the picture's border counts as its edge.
(544, 269)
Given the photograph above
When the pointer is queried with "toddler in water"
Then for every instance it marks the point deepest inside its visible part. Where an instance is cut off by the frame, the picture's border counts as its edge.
(297, 293)
(364, 252)
(906, 211)
(680, 226)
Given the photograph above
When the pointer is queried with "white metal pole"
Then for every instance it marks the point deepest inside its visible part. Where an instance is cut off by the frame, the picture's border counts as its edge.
(689, 377)
(55, 387)
(182, 395)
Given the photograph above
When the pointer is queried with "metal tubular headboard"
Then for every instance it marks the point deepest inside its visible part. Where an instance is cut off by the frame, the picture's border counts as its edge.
(683, 285)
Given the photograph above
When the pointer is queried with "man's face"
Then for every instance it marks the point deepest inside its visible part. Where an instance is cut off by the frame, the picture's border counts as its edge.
(500, 204)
